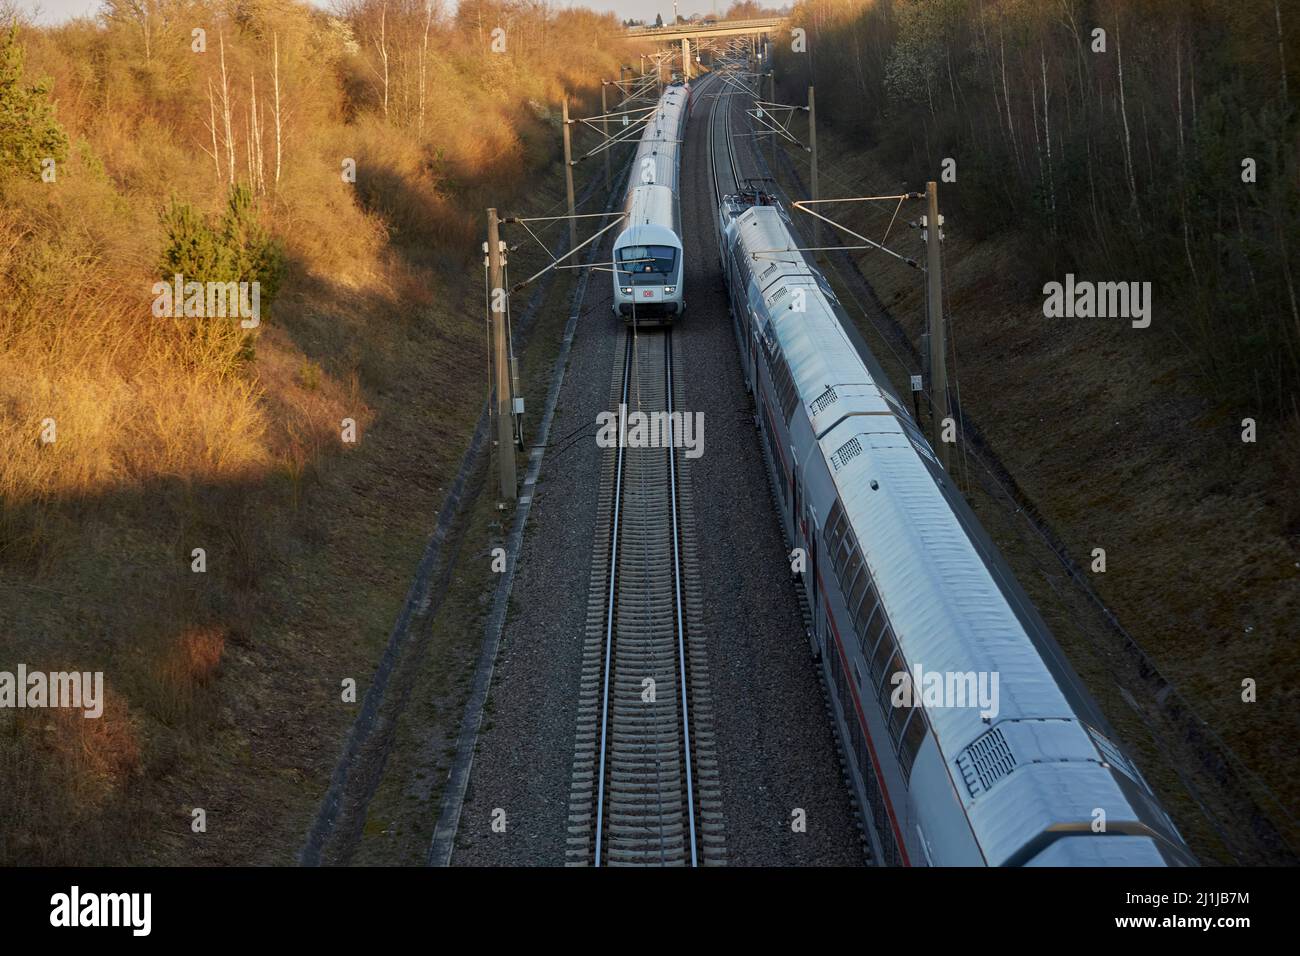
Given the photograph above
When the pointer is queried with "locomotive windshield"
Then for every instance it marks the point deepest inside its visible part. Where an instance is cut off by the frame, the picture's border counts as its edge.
(647, 264)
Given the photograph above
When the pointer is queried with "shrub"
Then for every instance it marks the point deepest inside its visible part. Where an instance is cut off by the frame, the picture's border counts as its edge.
(237, 249)
(28, 131)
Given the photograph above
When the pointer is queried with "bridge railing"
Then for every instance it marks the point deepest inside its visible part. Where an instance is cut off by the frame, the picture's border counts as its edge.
(765, 23)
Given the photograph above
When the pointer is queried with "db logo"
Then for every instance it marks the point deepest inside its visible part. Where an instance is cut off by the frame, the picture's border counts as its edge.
(647, 294)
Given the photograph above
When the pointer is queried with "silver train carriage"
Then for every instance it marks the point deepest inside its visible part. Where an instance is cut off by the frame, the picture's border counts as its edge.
(962, 770)
(648, 266)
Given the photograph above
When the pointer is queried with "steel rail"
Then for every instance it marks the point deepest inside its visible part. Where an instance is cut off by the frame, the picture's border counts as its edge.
(609, 610)
(677, 588)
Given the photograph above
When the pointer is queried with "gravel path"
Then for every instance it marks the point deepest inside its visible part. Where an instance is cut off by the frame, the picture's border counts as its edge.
(525, 751)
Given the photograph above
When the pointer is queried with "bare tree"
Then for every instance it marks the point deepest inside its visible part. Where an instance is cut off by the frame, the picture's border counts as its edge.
(146, 16)
(13, 14)
(1123, 111)
(256, 166)
(1047, 126)
(1006, 97)
(1281, 48)
(215, 153)
(275, 73)
(424, 57)
(381, 45)
(226, 111)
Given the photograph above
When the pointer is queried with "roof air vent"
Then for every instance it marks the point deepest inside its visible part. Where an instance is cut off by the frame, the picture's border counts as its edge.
(825, 400)
(847, 452)
(985, 762)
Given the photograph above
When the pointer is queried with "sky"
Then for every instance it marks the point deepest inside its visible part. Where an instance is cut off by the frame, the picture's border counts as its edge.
(57, 11)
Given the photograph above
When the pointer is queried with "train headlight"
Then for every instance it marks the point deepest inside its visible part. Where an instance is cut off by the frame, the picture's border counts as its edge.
(626, 290)
(669, 289)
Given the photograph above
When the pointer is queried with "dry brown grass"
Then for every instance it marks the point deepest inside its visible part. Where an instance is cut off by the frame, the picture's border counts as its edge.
(223, 681)
(80, 346)
(64, 775)
(182, 668)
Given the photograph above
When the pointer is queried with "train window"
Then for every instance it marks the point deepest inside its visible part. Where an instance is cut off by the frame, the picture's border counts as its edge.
(884, 648)
(835, 526)
(859, 615)
(841, 529)
(870, 593)
(913, 737)
(897, 718)
(859, 587)
(852, 561)
(657, 261)
(846, 585)
(896, 665)
(842, 574)
(848, 545)
(864, 616)
(875, 630)
(854, 581)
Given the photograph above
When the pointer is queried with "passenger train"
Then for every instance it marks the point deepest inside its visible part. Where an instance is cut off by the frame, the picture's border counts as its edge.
(904, 585)
(648, 267)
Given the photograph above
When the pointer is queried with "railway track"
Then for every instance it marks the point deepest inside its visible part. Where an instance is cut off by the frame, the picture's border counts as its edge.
(725, 172)
(724, 165)
(644, 790)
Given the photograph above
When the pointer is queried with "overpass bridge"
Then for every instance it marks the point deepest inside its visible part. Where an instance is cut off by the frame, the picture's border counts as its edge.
(720, 28)
(724, 34)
